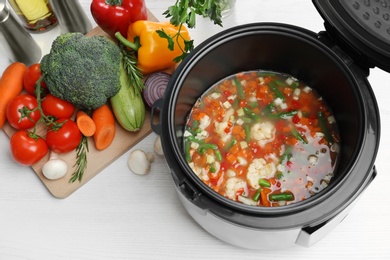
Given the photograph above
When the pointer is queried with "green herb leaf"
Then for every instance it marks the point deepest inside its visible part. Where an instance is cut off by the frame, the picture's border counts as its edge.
(133, 71)
(184, 12)
(164, 35)
(81, 160)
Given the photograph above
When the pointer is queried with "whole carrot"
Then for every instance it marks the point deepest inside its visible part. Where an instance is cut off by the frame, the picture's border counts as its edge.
(105, 127)
(11, 84)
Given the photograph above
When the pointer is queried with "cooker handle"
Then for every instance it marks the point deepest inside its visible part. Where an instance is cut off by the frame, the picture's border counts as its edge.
(156, 108)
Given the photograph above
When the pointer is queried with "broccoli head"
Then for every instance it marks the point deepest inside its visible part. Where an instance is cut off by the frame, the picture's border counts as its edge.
(82, 70)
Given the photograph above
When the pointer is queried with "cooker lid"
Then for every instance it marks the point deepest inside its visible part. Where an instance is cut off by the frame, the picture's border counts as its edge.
(360, 27)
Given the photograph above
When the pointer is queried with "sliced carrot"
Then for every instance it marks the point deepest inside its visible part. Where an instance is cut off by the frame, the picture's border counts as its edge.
(286, 129)
(85, 123)
(105, 127)
(11, 84)
(231, 158)
(264, 197)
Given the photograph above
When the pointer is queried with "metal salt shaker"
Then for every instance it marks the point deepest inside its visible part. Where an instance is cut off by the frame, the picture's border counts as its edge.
(71, 17)
(17, 42)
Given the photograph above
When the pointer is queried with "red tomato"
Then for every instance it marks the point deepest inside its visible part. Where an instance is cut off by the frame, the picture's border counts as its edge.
(15, 108)
(27, 150)
(59, 108)
(65, 139)
(30, 78)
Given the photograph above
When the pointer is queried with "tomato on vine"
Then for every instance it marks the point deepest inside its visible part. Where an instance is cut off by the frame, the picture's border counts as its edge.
(64, 139)
(59, 108)
(27, 148)
(30, 78)
(22, 113)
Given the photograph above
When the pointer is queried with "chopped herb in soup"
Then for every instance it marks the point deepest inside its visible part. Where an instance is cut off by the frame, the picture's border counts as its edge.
(263, 139)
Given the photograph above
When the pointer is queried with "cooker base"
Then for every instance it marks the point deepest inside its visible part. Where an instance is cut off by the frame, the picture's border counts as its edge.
(261, 239)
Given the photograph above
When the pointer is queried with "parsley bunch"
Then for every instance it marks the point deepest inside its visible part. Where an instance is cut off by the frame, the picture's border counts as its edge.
(184, 12)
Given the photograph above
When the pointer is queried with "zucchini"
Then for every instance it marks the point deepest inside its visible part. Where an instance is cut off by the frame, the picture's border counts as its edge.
(128, 107)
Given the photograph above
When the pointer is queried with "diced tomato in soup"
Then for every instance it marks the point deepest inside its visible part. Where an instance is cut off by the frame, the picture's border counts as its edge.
(263, 139)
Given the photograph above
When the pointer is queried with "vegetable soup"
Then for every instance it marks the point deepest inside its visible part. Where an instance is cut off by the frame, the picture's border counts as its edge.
(263, 139)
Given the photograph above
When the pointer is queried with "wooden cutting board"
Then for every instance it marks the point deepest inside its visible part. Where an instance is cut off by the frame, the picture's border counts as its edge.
(97, 160)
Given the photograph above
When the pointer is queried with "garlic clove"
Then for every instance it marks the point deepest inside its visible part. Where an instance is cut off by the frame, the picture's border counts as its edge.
(157, 146)
(54, 169)
(139, 162)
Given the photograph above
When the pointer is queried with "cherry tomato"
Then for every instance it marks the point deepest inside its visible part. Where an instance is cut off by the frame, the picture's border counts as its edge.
(66, 138)
(57, 107)
(30, 78)
(15, 110)
(27, 149)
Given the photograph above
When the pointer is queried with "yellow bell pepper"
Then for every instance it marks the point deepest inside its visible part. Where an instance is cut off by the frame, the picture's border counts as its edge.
(152, 50)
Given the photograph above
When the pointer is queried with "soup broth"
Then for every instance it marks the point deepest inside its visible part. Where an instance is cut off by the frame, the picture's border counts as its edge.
(262, 138)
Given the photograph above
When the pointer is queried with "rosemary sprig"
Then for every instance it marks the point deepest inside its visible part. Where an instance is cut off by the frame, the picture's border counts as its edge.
(81, 160)
(184, 12)
(130, 61)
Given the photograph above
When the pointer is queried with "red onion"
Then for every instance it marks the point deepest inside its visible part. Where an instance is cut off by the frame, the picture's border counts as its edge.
(155, 85)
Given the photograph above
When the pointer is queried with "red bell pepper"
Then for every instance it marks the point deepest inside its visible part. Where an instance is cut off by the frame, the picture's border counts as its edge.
(116, 15)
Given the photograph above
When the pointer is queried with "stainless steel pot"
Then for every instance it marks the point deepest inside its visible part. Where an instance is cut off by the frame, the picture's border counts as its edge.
(317, 60)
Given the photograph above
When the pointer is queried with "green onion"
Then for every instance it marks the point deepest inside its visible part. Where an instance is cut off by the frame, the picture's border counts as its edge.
(187, 147)
(276, 91)
(279, 175)
(285, 115)
(247, 120)
(240, 90)
(268, 109)
(295, 84)
(209, 146)
(206, 146)
(195, 140)
(247, 133)
(264, 183)
(287, 154)
(280, 83)
(281, 196)
(236, 104)
(252, 115)
(194, 131)
(195, 124)
(218, 155)
(325, 130)
(298, 136)
(256, 197)
(212, 169)
(231, 144)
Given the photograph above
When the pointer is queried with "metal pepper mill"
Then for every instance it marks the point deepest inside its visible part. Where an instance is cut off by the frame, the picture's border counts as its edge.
(17, 42)
(71, 16)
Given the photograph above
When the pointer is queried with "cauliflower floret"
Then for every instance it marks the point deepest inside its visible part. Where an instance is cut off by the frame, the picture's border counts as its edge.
(263, 132)
(220, 130)
(230, 173)
(297, 93)
(204, 122)
(247, 201)
(200, 172)
(233, 185)
(215, 95)
(278, 101)
(229, 115)
(202, 135)
(258, 169)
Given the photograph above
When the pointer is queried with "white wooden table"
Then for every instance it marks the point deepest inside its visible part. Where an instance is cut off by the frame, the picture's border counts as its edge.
(119, 215)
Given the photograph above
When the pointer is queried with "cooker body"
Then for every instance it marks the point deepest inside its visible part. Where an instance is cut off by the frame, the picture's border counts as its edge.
(300, 53)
